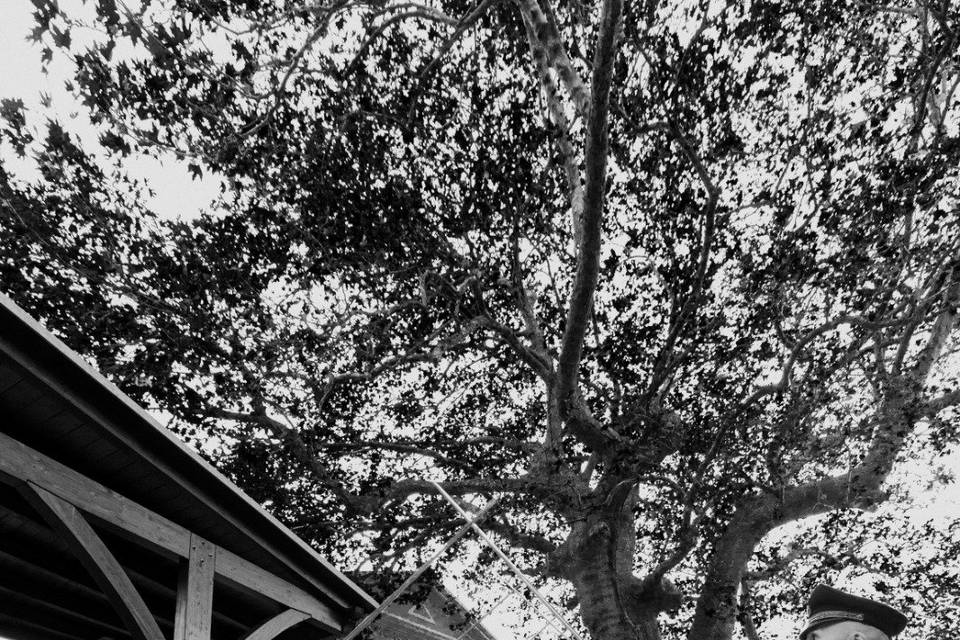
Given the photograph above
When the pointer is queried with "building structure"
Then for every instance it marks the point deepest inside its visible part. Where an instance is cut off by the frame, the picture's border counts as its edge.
(439, 617)
(111, 528)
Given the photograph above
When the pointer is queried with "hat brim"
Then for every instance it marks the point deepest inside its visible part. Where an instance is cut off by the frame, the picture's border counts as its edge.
(812, 626)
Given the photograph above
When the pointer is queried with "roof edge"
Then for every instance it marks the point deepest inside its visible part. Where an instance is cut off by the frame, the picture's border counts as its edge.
(76, 368)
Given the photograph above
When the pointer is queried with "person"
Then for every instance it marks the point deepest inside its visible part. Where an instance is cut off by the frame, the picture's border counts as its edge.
(836, 615)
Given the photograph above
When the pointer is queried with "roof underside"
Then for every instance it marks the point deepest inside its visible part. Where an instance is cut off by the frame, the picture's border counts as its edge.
(54, 403)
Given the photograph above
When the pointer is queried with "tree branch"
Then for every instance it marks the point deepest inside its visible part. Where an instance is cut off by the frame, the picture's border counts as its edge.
(860, 486)
(588, 256)
(550, 43)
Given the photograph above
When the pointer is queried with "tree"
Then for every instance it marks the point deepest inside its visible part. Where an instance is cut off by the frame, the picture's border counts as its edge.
(663, 277)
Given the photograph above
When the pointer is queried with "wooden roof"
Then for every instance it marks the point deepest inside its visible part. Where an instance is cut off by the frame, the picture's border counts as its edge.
(56, 404)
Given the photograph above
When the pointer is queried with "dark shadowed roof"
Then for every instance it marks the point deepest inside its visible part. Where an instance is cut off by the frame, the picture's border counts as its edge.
(54, 402)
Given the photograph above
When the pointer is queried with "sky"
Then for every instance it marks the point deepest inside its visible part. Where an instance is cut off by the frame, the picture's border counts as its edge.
(177, 195)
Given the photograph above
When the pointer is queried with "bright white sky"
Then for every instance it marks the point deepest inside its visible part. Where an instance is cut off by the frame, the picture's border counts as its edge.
(176, 194)
(179, 196)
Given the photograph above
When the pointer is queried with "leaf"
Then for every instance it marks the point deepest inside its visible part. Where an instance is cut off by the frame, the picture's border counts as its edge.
(61, 37)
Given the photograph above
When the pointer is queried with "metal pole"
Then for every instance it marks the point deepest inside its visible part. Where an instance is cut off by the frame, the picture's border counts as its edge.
(462, 531)
(549, 623)
(509, 563)
(478, 619)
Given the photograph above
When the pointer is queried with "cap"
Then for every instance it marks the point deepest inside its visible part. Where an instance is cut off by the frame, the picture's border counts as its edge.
(828, 606)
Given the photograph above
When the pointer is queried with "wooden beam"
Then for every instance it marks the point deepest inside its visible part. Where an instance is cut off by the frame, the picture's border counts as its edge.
(32, 579)
(277, 625)
(32, 349)
(106, 571)
(31, 553)
(247, 576)
(20, 463)
(195, 592)
(25, 464)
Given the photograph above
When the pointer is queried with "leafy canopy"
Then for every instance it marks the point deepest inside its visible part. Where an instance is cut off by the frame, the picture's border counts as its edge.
(662, 276)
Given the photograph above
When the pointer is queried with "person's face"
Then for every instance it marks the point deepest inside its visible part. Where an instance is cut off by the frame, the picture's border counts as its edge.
(846, 631)
(831, 632)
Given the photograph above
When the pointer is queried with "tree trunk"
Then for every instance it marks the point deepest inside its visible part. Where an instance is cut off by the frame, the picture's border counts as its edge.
(716, 611)
(605, 605)
(597, 558)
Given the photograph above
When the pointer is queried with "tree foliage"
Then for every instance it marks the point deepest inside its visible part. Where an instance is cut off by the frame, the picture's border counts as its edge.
(662, 276)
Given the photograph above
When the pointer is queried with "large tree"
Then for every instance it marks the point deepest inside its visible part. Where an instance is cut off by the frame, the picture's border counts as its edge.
(663, 277)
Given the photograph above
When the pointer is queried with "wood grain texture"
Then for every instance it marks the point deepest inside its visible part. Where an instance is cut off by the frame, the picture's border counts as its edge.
(19, 463)
(93, 553)
(277, 625)
(195, 592)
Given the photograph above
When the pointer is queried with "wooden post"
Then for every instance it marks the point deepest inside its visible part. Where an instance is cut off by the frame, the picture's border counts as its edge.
(93, 553)
(20, 464)
(195, 592)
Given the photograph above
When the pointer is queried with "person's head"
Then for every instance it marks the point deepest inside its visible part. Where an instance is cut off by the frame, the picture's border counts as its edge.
(846, 630)
(835, 615)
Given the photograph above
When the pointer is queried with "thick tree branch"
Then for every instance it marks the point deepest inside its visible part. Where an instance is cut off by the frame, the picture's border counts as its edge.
(588, 254)
(519, 538)
(568, 155)
(744, 615)
(549, 44)
(859, 487)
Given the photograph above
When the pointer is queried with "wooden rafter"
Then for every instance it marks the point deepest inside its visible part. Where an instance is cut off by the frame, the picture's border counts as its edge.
(93, 553)
(19, 463)
(277, 625)
(27, 630)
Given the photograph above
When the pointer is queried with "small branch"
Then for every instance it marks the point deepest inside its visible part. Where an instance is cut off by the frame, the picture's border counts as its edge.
(295, 443)
(398, 447)
(461, 25)
(743, 613)
(405, 488)
(386, 24)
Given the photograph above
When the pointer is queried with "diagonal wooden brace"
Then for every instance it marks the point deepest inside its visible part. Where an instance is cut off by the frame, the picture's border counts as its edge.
(67, 521)
(277, 625)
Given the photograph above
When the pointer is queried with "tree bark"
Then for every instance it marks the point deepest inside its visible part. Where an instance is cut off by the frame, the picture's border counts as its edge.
(716, 611)
(755, 517)
(598, 557)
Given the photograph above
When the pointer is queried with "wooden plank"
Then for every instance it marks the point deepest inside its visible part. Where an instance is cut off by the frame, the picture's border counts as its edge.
(106, 571)
(243, 574)
(55, 579)
(277, 625)
(195, 592)
(23, 464)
